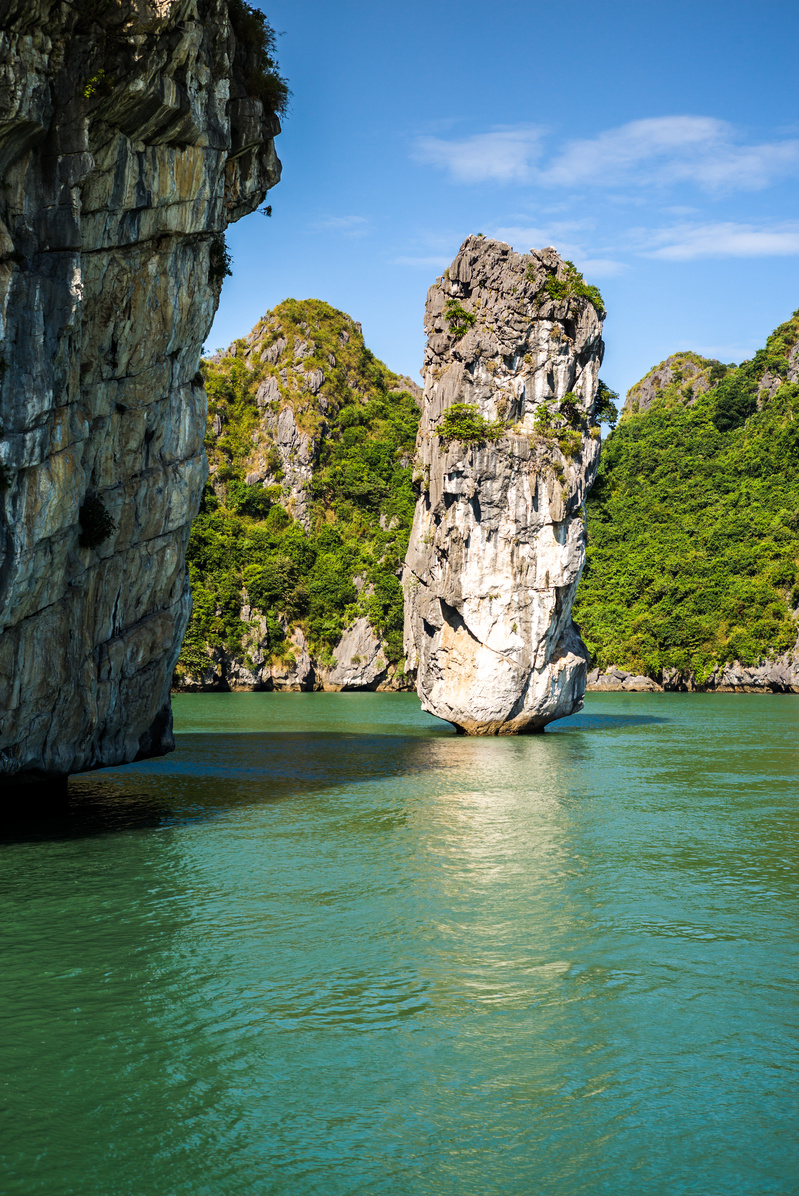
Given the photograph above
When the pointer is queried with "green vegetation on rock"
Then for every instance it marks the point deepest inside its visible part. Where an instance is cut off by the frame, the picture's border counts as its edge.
(573, 285)
(247, 548)
(256, 35)
(463, 422)
(459, 319)
(693, 524)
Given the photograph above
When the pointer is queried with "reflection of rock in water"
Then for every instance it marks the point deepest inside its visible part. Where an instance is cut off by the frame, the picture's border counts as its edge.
(498, 539)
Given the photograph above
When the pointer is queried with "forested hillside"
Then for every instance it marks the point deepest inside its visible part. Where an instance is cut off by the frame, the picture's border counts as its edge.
(306, 515)
(693, 523)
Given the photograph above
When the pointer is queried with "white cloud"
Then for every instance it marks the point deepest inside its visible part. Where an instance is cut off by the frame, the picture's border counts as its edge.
(599, 267)
(687, 242)
(657, 151)
(565, 236)
(348, 226)
(423, 263)
(504, 156)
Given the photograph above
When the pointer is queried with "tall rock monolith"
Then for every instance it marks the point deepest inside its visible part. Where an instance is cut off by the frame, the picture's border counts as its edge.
(508, 446)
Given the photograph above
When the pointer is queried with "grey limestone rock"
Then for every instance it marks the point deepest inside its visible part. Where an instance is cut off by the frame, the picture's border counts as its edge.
(498, 540)
(128, 141)
(360, 660)
(780, 675)
(681, 378)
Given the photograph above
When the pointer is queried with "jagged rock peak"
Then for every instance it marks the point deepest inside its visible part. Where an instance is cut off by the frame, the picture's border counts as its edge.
(681, 378)
(304, 362)
(131, 133)
(508, 445)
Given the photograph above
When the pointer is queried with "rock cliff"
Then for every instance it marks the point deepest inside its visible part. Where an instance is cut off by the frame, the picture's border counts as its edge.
(295, 556)
(507, 449)
(131, 134)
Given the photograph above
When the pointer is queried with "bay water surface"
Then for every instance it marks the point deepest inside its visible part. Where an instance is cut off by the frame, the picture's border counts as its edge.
(329, 947)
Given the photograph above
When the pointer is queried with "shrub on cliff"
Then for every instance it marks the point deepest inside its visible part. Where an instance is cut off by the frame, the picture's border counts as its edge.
(459, 319)
(256, 38)
(571, 285)
(96, 524)
(463, 422)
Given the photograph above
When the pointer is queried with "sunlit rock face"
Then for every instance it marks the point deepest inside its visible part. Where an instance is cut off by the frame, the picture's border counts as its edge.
(128, 141)
(498, 540)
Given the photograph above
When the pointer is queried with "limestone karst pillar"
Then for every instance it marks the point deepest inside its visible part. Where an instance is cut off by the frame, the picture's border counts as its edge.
(507, 449)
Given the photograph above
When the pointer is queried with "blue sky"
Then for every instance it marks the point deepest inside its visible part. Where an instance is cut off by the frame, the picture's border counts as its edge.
(656, 144)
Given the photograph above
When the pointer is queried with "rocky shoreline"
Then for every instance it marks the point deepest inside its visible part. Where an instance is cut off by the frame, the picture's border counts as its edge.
(780, 676)
(358, 664)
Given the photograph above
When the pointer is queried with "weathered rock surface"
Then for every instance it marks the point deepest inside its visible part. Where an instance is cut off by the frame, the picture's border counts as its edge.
(498, 540)
(358, 663)
(681, 378)
(127, 143)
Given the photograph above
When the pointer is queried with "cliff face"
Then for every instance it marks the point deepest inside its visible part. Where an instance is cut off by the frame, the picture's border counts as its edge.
(505, 455)
(128, 141)
(295, 556)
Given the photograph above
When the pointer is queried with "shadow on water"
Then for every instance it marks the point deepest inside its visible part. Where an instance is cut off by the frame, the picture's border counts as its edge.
(210, 775)
(207, 777)
(605, 722)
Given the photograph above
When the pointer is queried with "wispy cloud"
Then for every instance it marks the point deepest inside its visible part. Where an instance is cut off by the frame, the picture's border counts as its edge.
(565, 233)
(347, 226)
(599, 267)
(438, 262)
(504, 156)
(658, 151)
(567, 236)
(686, 242)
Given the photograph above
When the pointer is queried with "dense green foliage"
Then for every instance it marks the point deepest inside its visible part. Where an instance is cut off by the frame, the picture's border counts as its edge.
(693, 528)
(463, 422)
(738, 392)
(573, 285)
(245, 544)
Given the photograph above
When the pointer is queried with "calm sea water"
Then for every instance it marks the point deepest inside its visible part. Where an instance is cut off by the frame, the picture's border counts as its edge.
(328, 947)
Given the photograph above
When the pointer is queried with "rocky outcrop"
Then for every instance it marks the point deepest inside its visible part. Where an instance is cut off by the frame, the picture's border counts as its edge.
(306, 371)
(681, 378)
(128, 141)
(505, 454)
(358, 662)
(778, 676)
(615, 680)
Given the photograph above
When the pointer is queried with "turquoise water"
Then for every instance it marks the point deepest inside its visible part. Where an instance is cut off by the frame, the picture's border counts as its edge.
(329, 947)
